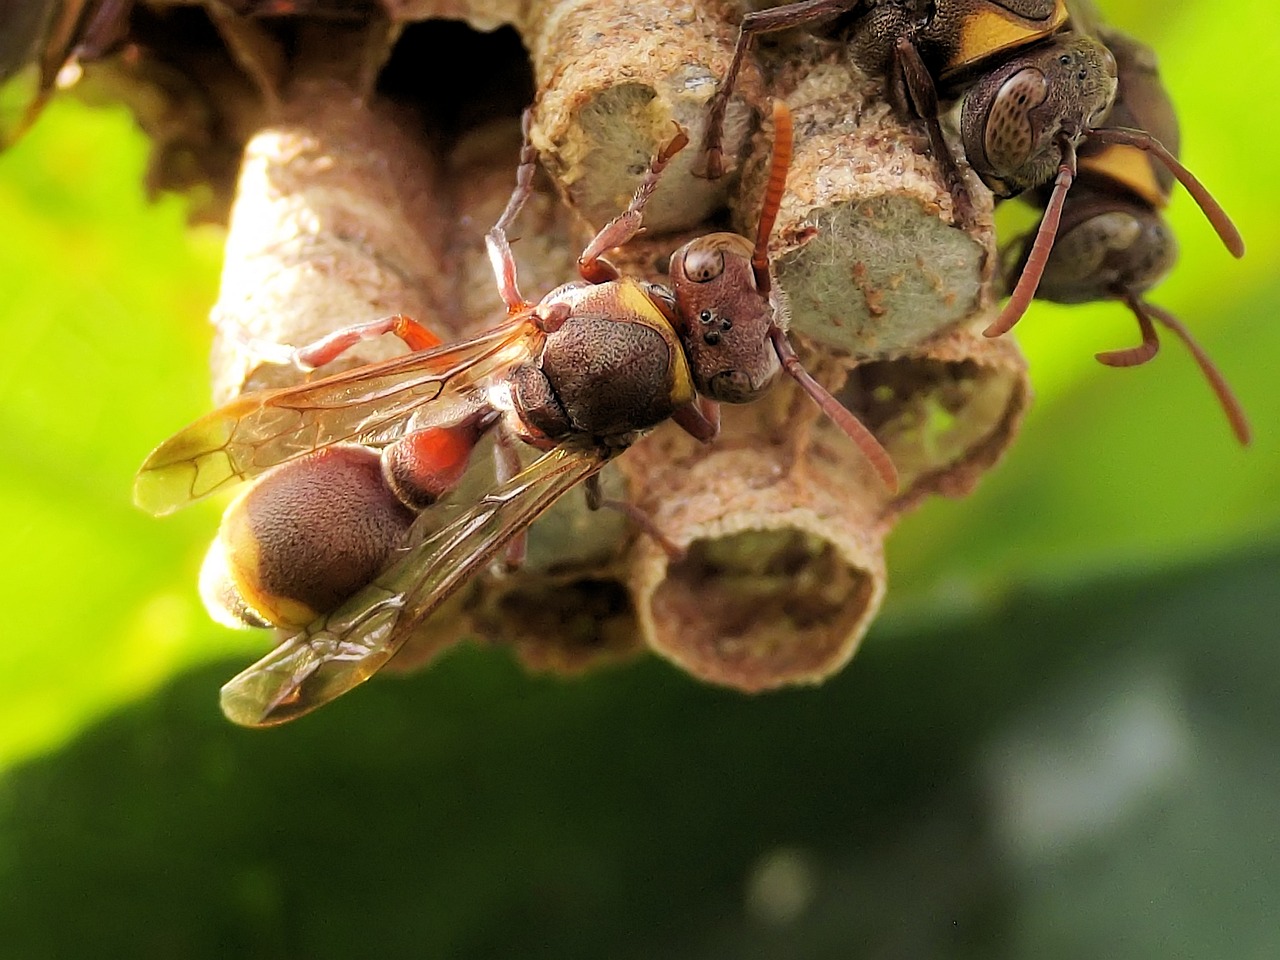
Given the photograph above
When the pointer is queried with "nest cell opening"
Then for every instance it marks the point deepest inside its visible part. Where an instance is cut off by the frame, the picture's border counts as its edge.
(761, 608)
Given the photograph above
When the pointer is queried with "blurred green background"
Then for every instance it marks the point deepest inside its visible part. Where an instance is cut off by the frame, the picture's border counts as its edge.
(1058, 741)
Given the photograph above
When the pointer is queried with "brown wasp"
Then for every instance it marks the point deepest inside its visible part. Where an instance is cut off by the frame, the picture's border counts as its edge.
(1112, 243)
(580, 374)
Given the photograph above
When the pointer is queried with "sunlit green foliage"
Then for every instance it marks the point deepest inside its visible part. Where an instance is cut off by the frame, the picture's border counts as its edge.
(103, 297)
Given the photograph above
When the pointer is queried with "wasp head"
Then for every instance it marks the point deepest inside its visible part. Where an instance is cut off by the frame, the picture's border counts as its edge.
(724, 318)
(1013, 120)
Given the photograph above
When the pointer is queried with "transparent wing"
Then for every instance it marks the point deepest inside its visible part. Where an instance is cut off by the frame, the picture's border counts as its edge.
(343, 649)
(1084, 16)
(369, 404)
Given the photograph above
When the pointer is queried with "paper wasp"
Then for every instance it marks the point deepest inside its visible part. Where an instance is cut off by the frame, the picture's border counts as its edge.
(1033, 88)
(1112, 243)
(580, 374)
(1023, 78)
(1045, 97)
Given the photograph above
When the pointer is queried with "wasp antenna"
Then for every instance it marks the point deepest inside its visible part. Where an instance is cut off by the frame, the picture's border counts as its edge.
(1033, 268)
(1210, 207)
(779, 163)
(1230, 405)
(1134, 356)
(853, 428)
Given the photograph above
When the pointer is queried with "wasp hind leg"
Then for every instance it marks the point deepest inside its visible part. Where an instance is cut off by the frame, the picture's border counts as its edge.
(506, 464)
(596, 500)
(329, 348)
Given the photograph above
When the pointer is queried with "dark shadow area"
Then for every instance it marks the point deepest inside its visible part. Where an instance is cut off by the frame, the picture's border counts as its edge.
(1084, 775)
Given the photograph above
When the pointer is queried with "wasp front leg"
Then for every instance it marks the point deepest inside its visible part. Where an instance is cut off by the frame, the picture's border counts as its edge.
(757, 22)
(700, 419)
(1149, 312)
(622, 228)
(914, 83)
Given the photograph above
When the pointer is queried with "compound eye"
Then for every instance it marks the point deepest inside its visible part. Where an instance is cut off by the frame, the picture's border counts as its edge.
(701, 265)
(1009, 136)
(1109, 63)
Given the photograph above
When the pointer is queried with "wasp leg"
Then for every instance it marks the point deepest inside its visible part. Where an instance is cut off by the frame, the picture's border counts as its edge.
(506, 464)
(700, 419)
(1134, 356)
(760, 21)
(499, 247)
(1217, 382)
(328, 348)
(923, 94)
(597, 500)
(624, 226)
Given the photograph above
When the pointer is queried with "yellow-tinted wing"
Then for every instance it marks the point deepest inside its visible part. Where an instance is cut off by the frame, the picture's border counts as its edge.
(370, 404)
(343, 649)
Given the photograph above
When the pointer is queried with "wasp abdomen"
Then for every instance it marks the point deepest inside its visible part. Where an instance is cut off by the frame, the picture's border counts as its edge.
(423, 466)
(304, 537)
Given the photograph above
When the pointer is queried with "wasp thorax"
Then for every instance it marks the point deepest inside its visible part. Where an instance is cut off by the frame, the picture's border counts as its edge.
(1106, 247)
(724, 319)
(1014, 120)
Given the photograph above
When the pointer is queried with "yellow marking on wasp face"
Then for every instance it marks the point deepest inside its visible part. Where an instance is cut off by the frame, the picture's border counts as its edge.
(1129, 167)
(633, 298)
(988, 32)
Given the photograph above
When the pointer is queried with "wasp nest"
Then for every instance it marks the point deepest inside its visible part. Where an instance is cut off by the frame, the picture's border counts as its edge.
(365, 167)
